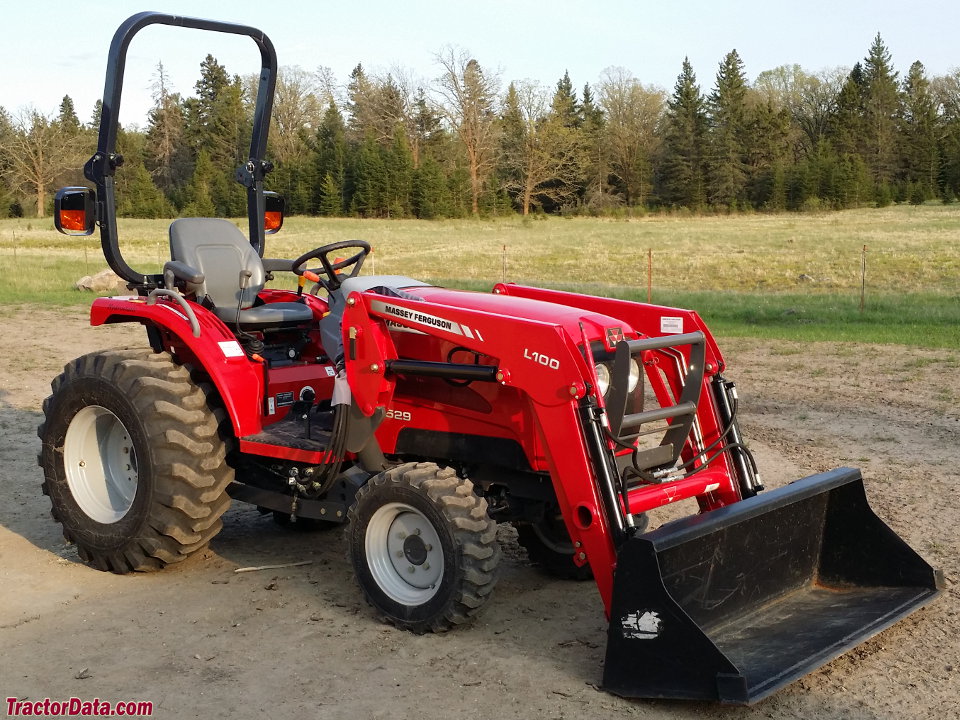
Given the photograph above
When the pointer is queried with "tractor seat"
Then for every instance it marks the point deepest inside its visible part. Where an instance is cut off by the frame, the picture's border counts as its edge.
(220, 251)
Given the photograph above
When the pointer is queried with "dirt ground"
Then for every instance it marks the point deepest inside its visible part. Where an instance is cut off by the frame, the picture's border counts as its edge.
(199, 640)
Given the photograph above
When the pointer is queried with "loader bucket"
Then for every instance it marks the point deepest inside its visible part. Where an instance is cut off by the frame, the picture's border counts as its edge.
(735, 603)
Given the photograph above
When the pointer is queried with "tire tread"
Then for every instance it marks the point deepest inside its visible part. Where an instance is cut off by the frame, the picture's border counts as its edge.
(191, 472)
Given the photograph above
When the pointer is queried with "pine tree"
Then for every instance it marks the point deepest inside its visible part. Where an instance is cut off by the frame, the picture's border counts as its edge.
(595, 168)
(359, 103)
(199, 200)
(137, 196)
(67, 117)
(204, 126)
(881, 106)
(564, 107)
(330, 195)
(165, 128)
(398, 176)
(217, 123)
(571, 147)
(96, 114)
(367, 174)
(426, 128)
(682, 179)
(847, 128)
(513, 143)
(726, 111)
(918, 133)
(330, 159)
(766, 147)
(430, 195)
(7, 132)
(295, 181)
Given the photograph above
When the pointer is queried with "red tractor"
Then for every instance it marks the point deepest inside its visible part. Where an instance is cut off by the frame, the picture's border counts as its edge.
(422, 416)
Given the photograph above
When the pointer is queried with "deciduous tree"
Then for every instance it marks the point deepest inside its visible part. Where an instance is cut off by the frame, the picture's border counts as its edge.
(467, 99)
(632, 113)
(38, 152)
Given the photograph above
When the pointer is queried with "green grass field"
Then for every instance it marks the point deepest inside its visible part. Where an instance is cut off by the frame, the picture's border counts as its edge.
(787, 276)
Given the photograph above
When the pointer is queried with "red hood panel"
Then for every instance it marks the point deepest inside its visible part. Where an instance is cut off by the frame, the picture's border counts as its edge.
(509, 306)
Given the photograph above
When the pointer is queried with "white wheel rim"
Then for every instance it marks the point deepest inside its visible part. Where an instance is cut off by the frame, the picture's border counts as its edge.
(404, 554)
(100, 464)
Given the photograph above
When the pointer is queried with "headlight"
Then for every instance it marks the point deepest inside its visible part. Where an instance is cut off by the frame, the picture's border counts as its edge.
(634, 377)
(603, 377)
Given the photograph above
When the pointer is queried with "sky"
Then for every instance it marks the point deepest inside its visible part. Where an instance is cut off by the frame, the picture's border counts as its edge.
(52, 49)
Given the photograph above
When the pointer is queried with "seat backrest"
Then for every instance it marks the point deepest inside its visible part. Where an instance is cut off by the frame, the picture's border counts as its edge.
(220, 251)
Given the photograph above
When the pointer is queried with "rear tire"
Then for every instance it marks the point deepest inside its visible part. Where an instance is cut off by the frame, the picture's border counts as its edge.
(548, 544)
(133, 460)
(422, 546)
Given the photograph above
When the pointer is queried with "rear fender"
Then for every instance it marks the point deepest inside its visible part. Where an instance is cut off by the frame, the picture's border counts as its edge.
(239, 380)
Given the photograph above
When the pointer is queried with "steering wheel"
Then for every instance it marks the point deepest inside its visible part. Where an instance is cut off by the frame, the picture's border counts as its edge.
(329, 278)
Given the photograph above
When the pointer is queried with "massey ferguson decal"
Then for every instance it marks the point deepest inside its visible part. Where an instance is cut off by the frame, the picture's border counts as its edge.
(641, 625)
(421, 318)
(614, 335)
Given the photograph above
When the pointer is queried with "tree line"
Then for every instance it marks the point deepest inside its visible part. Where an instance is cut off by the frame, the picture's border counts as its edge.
(386, 146)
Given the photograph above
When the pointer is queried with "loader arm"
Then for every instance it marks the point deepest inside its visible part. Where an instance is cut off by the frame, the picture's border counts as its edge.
(546, 366)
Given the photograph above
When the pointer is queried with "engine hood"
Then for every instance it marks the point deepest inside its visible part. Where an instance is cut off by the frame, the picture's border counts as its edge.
(570, 318)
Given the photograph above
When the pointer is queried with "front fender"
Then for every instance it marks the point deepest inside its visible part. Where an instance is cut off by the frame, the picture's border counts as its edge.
(239, 380)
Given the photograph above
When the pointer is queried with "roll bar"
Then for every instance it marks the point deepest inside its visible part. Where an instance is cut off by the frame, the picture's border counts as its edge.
(100, 168)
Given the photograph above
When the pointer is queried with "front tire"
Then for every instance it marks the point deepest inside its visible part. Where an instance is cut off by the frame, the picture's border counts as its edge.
(422, 546)
(133, 461)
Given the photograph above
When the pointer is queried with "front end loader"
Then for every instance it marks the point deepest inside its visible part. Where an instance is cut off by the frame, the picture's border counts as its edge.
(421, 417)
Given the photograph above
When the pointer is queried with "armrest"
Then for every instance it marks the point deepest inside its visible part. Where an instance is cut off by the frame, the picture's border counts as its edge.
(271, 264)
(174, 269)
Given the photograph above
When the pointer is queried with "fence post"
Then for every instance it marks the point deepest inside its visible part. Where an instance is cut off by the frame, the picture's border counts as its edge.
(649, 275)
(503, 265)
(863, 278)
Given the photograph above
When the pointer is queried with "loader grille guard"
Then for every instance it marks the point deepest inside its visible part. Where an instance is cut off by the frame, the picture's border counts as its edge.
(658, 464)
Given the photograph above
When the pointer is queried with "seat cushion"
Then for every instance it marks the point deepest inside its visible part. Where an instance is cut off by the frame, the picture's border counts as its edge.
(267, 316)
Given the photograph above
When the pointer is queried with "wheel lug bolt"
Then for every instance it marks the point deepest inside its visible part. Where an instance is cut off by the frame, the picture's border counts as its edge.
(83, 463)
(429, 548)
(426, 566)
(399, 553)
(411, 569)
(402, 535)
(417, 531)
